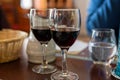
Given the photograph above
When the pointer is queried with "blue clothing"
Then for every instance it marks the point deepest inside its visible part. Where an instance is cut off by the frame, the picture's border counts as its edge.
(103, 14)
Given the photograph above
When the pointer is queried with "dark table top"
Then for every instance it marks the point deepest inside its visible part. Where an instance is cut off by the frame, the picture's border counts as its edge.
(20, 69)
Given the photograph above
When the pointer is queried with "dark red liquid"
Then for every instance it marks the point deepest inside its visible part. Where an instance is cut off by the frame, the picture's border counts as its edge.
(42, 34)
(64, 38)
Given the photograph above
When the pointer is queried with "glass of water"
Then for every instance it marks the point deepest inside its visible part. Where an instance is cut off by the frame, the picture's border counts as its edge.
(103, 48)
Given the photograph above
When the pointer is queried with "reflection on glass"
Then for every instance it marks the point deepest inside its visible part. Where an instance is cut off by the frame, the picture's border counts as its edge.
(98, 72)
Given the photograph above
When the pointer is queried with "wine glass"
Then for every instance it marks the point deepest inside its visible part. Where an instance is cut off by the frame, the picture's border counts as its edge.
(65, 29)
(39, 20)
(102, 47)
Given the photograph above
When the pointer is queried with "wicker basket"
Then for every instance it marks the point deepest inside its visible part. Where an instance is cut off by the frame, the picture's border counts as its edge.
(10, 44)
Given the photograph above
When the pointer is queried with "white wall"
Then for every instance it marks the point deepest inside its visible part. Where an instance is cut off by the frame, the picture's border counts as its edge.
(82, 5)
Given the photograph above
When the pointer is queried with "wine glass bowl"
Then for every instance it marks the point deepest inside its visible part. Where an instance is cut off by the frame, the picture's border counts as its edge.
(65, 37)
(65, 30)
(102, 46)
(39, 22)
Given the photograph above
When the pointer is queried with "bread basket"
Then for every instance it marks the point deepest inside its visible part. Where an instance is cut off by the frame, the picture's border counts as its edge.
(10, 44)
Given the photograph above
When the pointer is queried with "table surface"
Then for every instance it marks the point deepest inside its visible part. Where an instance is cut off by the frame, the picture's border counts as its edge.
(20, 69)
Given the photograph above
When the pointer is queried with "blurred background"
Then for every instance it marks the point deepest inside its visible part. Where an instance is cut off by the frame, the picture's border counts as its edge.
(16, 11)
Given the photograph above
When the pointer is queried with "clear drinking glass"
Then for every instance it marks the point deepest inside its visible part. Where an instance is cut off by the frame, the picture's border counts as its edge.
(65, 29)
(102, 47)
(39, 21)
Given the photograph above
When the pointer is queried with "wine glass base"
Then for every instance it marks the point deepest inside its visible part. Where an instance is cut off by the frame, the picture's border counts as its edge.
(44, 69)
(114, 74)
(60, 76)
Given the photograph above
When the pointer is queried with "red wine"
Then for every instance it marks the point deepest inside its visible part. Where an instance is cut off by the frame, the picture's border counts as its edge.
(42, 34)
(65, 37)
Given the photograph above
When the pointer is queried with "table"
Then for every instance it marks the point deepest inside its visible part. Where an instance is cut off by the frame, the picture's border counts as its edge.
(20, 69)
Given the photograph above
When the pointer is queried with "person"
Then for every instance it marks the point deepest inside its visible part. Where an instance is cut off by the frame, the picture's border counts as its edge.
(3, 20)
(103, 14)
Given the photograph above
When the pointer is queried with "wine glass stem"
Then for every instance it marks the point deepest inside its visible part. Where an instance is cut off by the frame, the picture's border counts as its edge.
(64, 61)
(44, 62)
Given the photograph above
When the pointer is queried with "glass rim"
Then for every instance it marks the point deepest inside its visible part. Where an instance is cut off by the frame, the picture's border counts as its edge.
(42, 9)
(55, 9)
(103, 29)
(67, 9)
